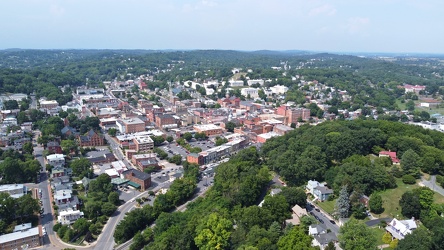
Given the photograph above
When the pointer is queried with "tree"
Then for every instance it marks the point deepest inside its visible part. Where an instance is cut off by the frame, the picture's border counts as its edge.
(408, 179)
(394, 243)
(112, 132)
(158, 140)
(411, 163)
(27, 148)
(295, 196)
(229, 126)
(81, 226)
(277, 206)
(187, 136)
(343, 203)
(169, 139)
(355, 235)
(108, 209)
(387, 238)
(68, 146)
(113, 198)
(375, 204)
(81, 167)
(296, 238)
(419, 239)
(220, 141)
(213, 233)
(330, 246)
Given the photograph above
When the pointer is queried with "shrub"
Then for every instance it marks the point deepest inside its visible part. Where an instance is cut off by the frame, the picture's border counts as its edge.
(408, 179)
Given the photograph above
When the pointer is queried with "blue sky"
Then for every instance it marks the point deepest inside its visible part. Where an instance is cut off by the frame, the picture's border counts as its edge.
(317, 25)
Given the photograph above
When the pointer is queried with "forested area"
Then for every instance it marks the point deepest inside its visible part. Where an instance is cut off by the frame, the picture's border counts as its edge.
(337, 152)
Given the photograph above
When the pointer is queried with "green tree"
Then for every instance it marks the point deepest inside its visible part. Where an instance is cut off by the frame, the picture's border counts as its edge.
(108, 209)
(355, 235)
(387, 238)
(295, 196)
(296, 238)
(113, 198)
(169, 139)
(81, 226)
(187, 136)
(158, 140)
(112, 132)
(419, 239)
(375, 204)
(229, 126)
(213, 233)
(27, 148)
(411, 163)
(81, 167)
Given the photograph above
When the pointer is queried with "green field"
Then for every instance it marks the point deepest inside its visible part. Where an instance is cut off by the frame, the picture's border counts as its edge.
(391, 197)
(327, 206)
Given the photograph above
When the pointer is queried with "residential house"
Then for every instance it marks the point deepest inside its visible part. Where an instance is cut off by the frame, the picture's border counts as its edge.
(297, 214)
(56, 160)
(69, 216)
(390, 154)
(318, 190)
(54, 147)
(322, 240)
(399, 229)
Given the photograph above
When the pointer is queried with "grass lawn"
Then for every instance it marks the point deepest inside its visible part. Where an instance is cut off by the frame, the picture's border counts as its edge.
(327, 206)
(391, 197)
(378, 232)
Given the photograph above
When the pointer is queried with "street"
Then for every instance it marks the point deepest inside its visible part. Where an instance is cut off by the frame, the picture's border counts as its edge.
(326, 220)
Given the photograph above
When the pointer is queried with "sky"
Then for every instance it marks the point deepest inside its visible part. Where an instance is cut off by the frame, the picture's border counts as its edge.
(393, 26)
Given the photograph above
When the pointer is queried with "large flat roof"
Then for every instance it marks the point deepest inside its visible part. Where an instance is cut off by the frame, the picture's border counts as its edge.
(19, 235)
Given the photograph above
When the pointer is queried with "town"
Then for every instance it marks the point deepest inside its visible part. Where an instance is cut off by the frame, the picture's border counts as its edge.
(98, 163)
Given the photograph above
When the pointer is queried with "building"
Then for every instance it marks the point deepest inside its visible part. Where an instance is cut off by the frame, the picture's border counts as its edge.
(143, 143)
(69, 216)
(390, 154)
(251, 92)
(399, 229)
(294, 114)
(49, 104)
(138, 179)
(24, 239)
(255, 81)
(54, 147)
(56, 160)
(318, 190)
(279, 89)
(262, 138)
(195, 158)
(14, 190)
(166, 121)
(91, 139)
(282, 129)
(144, 164)
(208, 129)
(130, 125)
(297, 214)
(141, 157)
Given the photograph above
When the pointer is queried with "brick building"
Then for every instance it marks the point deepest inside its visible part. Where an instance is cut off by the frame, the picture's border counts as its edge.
(208, 129)
(24, 239)
(54, 147)
(130, 125)
(143, 143)
(138, 177)
(91, 139)
(165, 121)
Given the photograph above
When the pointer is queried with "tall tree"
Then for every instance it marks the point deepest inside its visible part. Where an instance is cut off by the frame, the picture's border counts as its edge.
(296, 238)
(213, 233)
(343, 203)
(355, 235)
(375, 204)
(411, 163)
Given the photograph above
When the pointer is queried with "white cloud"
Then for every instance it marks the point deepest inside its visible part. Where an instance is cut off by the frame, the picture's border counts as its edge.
(325, 9)
(357, 24)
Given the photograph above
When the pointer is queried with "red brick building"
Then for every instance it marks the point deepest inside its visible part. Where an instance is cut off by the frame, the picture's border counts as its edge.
(195, 158)
(138, 177)
(165, 120)
(91, 139)
(54, 147)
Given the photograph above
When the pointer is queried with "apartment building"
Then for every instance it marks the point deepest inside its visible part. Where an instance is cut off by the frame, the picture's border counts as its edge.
(130, 125)
(143, 143)
(23, 239)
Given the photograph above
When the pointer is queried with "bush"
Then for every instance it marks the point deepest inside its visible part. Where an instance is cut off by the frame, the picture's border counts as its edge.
(56, 227)
(440, 180)
(408, 179)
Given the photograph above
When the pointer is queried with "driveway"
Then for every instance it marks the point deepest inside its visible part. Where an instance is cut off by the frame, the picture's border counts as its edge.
(432, 184)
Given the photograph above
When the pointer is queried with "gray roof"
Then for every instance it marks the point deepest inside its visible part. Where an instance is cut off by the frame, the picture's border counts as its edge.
(138, 174)
(324, 239)
(324, 190)
(19, 235)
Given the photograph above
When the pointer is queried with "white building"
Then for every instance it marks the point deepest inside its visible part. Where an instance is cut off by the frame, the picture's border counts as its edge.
(399, 229)
(252, 92)
(279, 89)
(14, 190)
(56, 160)
(69, 216)
(255, 81)
(236, 83)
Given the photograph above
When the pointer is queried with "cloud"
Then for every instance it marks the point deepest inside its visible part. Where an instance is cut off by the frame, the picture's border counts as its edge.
(357, 24)
(325, 9)
(56, 10)
(199, 5)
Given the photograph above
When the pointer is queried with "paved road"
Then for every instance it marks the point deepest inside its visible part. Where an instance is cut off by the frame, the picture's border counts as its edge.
(433, 185)
(117, 151)
(323, 218)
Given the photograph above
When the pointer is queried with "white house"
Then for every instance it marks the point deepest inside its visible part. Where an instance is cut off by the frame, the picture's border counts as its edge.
(255, 81)
(56, 160)
(237, 83)
(279, 89)
(14, 190)
(318, 190)
(69, 216)
(399, 229)
(252, 92)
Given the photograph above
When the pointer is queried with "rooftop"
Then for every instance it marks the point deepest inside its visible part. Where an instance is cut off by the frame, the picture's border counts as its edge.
(137, 174)
(19, 235)
(207, 127)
